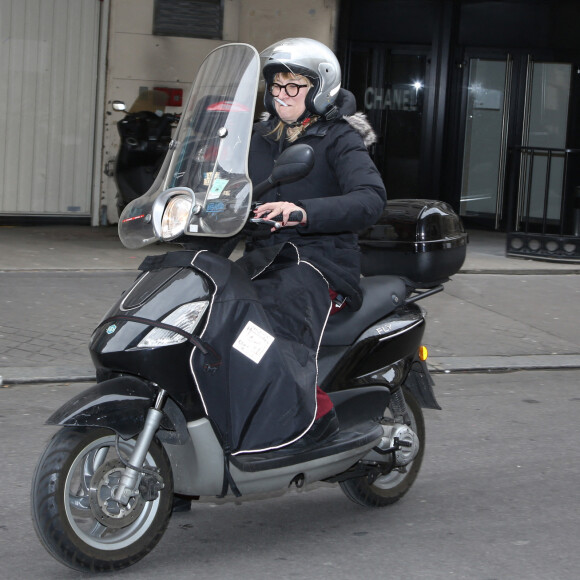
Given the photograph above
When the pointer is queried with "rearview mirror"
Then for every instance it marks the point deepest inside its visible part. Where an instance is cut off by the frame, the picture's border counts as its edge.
(293, 164)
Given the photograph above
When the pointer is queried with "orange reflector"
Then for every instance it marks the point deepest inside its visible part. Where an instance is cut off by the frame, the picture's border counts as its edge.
(423, 353)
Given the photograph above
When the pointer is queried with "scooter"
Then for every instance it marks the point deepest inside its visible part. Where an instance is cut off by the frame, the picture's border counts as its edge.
(103, 490)
(144, 133)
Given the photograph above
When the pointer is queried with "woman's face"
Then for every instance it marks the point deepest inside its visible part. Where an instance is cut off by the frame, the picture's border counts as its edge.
(294, 106)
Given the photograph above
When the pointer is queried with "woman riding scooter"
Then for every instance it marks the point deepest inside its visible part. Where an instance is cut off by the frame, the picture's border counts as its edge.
(341, 196)
(203, 393)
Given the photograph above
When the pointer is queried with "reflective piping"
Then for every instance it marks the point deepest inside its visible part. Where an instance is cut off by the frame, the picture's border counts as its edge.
(316, 377)
(274, 259)
(122, 305)
(286, 444)
(203, 331)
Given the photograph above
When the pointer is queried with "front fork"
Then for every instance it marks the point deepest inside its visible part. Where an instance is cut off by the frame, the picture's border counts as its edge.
(129, 480)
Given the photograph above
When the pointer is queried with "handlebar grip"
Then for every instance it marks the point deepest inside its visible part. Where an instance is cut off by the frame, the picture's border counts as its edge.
(295, 216)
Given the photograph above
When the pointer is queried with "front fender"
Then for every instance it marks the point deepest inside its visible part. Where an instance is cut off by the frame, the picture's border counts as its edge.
(120, 404)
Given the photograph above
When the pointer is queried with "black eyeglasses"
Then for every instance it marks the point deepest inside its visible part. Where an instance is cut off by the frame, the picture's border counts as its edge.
(292, 89)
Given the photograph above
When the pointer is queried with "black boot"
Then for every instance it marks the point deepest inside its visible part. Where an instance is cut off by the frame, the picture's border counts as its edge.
(322, 429)
(181, 503)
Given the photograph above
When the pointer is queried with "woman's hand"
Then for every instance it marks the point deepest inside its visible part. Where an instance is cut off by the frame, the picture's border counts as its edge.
(284, 208)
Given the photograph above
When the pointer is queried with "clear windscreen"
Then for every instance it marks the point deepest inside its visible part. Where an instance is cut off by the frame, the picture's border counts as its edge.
(207, 162)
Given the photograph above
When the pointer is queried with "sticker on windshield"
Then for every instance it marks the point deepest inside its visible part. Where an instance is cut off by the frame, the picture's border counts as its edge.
(215, 207)
(253, 342)
(209, 175)
(217, 188)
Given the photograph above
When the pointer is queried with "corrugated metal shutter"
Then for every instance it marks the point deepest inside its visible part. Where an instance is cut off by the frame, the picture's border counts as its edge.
(48, 79)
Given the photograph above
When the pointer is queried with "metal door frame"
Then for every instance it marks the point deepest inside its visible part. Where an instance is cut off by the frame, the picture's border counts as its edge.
(548, 240)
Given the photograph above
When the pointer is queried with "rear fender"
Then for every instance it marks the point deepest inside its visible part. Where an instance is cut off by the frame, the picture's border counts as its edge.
(120, 404)
(420, 383)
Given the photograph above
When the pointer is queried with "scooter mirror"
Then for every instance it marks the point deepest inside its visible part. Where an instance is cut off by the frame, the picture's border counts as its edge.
(119, 106)
(293, 164)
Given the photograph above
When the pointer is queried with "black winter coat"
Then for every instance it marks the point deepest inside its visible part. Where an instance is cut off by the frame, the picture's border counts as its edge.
(342, 195)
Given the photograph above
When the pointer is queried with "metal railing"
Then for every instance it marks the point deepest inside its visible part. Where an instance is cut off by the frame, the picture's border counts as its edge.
(540, 229)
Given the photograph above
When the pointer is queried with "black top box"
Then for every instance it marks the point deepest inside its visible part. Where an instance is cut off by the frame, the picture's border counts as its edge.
(422, 240)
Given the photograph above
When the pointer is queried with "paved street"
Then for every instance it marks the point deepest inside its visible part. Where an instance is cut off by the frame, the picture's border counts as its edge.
(480, 321)
(526, 320)
(57, 282)
(497, 498)
(61, 310)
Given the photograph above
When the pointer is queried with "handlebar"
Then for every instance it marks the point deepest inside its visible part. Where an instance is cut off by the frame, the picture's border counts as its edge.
(276, 221)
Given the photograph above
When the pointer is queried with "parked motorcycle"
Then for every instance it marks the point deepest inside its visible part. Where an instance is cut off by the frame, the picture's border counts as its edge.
(144, 133)
(103, 489)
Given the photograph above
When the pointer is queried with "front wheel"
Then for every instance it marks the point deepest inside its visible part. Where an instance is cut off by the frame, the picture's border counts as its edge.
(73, 510)
(389, 488)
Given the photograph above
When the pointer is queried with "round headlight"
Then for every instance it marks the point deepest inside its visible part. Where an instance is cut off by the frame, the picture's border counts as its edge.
(175, 217)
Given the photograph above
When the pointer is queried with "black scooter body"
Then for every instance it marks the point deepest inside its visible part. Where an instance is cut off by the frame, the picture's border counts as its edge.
(103, 489)
(114, 343)
(358, 348)
(385, 335)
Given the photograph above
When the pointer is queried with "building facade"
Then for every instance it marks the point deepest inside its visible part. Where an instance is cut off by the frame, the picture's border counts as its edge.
(63, 63)
(475, 102)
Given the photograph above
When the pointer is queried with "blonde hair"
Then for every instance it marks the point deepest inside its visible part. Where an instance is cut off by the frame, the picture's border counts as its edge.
(292, 133)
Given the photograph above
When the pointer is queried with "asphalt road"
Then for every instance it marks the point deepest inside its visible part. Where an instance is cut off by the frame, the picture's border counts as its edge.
(497, 498)
(480, 321)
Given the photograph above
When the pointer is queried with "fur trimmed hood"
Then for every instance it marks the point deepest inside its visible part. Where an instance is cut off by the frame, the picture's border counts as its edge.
(361, 125)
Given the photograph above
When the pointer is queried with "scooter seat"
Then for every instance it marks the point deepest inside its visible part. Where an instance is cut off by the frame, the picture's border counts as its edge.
(381, 295)
(358, 412)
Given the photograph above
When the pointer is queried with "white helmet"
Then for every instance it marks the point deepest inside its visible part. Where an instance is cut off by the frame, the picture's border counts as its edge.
(309, 58)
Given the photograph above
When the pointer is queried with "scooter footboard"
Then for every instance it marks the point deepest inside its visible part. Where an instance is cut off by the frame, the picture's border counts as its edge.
(202, 473)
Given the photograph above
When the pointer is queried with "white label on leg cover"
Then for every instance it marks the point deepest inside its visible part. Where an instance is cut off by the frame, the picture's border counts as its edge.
(253, 342)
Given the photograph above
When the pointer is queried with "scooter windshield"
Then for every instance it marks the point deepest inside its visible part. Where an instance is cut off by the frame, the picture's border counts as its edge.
(203, 187)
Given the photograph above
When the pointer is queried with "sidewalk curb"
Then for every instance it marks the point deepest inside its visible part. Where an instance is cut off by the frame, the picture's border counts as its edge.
(437, 365)
(112, 270)
(41, 375)
(503, 364)
(521, 272)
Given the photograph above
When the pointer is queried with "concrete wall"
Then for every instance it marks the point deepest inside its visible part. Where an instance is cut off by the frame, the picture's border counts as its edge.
(138, 59)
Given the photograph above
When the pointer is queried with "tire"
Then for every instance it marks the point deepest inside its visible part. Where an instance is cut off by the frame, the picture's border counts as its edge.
(72, 517)
(387, 489)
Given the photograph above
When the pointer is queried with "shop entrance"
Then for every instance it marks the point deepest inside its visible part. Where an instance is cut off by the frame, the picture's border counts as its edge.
(516, 154)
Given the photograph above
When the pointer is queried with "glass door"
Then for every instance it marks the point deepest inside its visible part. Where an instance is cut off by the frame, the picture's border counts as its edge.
(543, 158)
(485, 138)
(390, 86)
(402, 123)
(535, 137)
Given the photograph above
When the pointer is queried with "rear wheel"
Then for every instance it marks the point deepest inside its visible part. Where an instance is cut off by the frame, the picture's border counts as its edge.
(73, 510)
(389, 488)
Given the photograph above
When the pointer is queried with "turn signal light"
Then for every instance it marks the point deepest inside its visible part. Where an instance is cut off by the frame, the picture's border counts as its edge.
(423, 353)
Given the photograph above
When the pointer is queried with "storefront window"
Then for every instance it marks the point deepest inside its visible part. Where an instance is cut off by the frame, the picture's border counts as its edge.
(390, 87)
